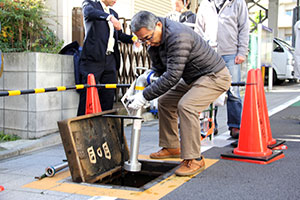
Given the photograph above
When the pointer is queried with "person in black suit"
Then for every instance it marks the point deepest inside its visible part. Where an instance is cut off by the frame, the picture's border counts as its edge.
(100, 53)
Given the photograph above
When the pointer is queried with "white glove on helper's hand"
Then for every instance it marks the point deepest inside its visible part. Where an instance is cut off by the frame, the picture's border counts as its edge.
(137, 101)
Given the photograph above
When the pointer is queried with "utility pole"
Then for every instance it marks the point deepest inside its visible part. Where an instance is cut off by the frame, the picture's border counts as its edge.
(298, 14)
(296, 17)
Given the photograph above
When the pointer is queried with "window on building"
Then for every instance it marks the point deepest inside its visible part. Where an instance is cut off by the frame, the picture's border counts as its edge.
(289, 12)
(288, 39)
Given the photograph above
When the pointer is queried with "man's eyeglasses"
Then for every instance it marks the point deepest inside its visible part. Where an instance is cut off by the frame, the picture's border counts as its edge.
(147, 39)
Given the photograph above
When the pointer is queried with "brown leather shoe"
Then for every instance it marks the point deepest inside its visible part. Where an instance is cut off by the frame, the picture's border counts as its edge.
(190, 167)
(166, 153)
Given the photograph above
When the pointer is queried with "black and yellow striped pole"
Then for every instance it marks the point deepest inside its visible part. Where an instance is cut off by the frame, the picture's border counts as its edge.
(79, 87)
(60, 88)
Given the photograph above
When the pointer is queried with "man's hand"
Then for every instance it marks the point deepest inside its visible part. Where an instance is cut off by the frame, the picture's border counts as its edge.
(137, 44)
(239, 59)
(137, 101)
(116, 23)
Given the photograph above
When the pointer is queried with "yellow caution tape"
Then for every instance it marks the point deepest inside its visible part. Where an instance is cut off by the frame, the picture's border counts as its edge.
(61, 88)
(139, 88)
(80, 86)
(110, 85)
(14, 93)
(39, 90)
(134, 38)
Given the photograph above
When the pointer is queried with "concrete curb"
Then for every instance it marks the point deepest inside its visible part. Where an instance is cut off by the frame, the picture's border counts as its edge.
(15, 148)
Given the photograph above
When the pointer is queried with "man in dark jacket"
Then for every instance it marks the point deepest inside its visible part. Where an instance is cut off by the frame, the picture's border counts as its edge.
(100, 53)
(191, 76)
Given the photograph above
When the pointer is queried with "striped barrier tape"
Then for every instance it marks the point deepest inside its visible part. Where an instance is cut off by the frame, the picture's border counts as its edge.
(60, 88)
(79, 87)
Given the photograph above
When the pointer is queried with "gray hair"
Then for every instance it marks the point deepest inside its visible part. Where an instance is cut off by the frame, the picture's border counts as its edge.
(143, 19)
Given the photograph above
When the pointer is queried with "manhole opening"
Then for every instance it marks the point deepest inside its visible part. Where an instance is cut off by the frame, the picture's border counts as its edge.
(151, 173)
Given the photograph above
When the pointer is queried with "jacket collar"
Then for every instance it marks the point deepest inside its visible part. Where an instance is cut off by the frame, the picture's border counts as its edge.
(163, 21)
(227, 2)
(103, 5)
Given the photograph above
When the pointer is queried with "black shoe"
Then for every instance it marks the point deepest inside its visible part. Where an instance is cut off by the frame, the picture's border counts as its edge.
(234, 133)
(216, 131)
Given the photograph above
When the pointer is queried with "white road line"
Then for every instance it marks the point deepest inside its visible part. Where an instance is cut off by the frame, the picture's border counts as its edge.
(283, 106)
(222, 139)
(290, 140)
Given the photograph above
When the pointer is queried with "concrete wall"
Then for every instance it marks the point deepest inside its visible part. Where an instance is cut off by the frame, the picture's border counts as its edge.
(36, 115)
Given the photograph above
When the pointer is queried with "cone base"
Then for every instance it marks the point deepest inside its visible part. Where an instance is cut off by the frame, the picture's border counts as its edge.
(276, 155)
(278, 143)
(280, 147)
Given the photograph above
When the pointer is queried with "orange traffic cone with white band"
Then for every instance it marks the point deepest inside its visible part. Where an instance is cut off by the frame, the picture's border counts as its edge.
(252, 144)
(92, 98)
(265, 121)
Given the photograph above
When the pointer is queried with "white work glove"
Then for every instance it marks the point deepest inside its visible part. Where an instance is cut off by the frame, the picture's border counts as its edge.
(137, 101)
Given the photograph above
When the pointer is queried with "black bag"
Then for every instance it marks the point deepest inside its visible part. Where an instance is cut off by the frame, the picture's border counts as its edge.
(75, 50)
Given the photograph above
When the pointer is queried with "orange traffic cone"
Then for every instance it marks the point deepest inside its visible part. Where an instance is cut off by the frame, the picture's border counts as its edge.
(92, 98)
(252, 145)
(265, 122)
(1, 188)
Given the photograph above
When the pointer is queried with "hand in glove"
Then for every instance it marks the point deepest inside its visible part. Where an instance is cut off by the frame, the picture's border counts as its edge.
(137, 101)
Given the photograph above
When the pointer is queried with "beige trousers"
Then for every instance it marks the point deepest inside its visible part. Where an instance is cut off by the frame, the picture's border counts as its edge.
(186, 102)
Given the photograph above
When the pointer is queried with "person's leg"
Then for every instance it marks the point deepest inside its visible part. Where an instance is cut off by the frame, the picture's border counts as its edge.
(82, 98)
(109, 76)
(234, 102)
(215, 120)
(168, 116)
(168, 122)
(203, 92)
(297, 64)
(85, 67)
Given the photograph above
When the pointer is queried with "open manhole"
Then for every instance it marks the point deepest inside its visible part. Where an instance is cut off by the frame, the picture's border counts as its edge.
(152, 172)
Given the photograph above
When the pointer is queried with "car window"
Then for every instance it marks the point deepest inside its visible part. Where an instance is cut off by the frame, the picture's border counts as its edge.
(277, 47)
(285, 44)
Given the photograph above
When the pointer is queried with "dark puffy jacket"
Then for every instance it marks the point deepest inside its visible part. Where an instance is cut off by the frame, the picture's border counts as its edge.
(188, 16)
(181, 54)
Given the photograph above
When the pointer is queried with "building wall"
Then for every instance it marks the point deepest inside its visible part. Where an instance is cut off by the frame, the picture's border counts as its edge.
(62, 13)
(285, 17)
(158, 7)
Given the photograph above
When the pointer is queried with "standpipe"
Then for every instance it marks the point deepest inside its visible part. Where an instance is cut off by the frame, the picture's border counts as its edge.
(133, 164)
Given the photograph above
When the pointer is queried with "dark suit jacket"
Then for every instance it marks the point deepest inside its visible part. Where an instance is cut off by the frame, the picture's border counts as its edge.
(96, 39)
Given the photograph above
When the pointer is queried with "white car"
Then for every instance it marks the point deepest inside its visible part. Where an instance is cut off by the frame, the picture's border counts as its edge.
(282, 61)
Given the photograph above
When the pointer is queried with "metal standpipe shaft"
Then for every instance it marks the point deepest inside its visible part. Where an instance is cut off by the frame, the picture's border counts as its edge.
(133, 164)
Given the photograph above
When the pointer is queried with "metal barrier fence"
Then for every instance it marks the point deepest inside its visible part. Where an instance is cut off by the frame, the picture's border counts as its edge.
(130, 60)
